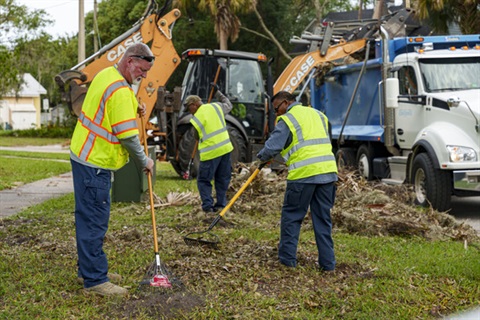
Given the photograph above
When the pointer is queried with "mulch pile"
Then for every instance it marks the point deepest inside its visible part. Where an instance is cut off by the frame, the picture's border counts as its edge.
(361, 207)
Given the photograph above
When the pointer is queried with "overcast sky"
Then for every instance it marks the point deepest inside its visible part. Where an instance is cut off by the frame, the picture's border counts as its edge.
(63, 12)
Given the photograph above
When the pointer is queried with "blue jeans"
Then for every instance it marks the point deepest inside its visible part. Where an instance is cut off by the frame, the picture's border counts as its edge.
(220, 171)
(92, 213)
(320, 199)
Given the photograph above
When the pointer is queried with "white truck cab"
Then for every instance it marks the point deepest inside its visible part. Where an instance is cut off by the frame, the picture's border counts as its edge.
(437, 118)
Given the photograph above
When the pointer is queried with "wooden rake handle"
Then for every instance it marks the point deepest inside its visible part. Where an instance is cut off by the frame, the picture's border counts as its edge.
(150, 192)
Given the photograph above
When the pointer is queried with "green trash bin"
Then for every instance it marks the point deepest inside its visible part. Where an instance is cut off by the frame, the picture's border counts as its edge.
(130, 183)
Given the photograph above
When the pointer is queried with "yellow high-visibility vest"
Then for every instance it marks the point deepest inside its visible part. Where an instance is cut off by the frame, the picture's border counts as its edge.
(209, 121)
(108, 114)
(310, 152)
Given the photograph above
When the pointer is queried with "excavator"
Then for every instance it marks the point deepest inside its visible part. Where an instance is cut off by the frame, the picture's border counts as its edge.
(238, 75)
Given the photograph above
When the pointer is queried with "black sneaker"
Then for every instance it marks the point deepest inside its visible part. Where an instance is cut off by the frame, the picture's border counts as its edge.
(209, 210)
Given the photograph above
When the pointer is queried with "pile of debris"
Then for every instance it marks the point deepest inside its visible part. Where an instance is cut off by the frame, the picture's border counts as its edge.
(361, 207)
(374, 208)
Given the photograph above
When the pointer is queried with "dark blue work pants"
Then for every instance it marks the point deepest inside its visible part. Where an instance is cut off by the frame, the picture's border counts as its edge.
(220, 171)
(92, 212)
(320, 199)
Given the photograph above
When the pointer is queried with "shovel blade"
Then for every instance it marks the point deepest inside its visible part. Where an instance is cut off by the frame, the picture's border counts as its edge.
(201, 239)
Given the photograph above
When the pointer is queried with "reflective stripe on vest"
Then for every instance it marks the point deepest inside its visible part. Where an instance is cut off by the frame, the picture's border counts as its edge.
(301, 140)
(310, 151)
(216, 143)
(95, 128)
(97, 134)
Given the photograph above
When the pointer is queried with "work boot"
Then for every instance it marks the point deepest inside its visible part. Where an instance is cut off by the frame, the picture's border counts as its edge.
(114, 277)
(209, 210)
(107, 289)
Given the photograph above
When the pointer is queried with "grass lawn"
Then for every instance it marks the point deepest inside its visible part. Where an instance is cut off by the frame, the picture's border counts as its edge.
(17, 168)
(377, 277)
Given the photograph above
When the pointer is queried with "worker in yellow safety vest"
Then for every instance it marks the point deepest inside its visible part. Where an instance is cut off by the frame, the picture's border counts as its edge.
(105, 135)
(214, 147)
(301, 136)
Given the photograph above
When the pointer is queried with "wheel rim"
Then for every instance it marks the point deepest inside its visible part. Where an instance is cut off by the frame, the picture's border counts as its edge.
(420, 188)
(363, 167)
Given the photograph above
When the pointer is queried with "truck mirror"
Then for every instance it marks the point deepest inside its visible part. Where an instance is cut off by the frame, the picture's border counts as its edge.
(392, 92)
(453, 102)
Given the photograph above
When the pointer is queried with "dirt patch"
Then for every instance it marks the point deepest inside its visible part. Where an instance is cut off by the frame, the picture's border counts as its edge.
(159, 304)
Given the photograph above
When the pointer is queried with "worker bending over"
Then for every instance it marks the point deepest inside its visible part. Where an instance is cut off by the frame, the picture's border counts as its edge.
(301, 137)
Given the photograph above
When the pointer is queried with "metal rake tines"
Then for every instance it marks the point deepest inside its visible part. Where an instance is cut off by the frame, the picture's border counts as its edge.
(159, 276)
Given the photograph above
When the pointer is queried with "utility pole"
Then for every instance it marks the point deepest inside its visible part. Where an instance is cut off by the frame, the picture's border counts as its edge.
(95, 35)
(81, 31)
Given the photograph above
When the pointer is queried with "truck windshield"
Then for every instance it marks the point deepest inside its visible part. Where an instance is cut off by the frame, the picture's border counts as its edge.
(449, 74)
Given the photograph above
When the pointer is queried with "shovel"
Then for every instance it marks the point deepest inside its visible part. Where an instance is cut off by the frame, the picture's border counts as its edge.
(207, 237)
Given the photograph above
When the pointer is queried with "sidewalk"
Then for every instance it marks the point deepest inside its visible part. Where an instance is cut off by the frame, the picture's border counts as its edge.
(12, 201)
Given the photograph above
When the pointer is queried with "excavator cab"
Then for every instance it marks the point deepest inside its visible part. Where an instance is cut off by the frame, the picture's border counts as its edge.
(240, 79)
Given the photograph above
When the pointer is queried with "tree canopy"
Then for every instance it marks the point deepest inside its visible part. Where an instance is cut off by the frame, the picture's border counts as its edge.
(443, 13)
(16, 22)
(248, 25)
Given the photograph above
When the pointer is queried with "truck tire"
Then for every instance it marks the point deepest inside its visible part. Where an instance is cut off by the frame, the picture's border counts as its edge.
(365, 162)
(184, 154)
(345, 158)
(239, 153)
(431, 186)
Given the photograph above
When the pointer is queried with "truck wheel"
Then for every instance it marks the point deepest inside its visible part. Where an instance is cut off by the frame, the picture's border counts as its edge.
(365, 162)
(432, 186)
(345, 158)
(239, 153)
(184, 154)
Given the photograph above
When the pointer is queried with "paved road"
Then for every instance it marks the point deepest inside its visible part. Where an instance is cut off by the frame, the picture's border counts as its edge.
(55, 148)
(467, 210)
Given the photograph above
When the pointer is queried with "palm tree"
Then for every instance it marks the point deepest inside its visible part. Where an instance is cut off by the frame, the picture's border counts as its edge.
(227, 24)
(443, 12)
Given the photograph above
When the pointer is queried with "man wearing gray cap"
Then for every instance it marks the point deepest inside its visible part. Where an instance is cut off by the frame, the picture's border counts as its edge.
(214, 147)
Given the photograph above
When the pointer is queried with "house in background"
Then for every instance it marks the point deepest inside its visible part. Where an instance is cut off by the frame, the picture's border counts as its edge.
(55, 116)
(23, 111)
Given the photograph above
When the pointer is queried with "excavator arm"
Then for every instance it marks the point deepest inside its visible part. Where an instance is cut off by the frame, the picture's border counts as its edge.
(153, 30)
(301, 66)
(332, 41)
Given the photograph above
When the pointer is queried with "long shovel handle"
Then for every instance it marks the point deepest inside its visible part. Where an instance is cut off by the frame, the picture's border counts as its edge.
(238, 194)
(150, 192)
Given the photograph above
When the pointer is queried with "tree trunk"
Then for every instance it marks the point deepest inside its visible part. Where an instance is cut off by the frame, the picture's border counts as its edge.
(378, 11)
(270, 34)
(223, 39)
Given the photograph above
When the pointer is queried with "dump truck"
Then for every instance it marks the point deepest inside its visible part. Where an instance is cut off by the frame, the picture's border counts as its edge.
(407, 109)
